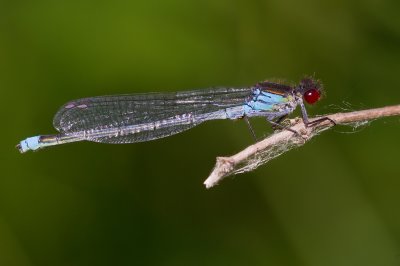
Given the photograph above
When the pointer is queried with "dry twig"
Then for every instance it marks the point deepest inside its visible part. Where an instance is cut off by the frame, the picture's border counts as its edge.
(280, 142)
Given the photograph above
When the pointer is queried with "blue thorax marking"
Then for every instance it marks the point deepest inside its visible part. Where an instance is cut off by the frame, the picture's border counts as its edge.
(262, 101)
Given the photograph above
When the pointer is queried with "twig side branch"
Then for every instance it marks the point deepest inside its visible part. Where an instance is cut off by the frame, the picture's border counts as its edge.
(280, 142)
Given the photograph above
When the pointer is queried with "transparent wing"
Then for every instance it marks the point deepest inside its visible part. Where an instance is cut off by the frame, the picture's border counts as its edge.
(143, 117)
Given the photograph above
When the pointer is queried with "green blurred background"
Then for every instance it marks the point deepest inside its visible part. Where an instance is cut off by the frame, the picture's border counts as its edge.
(335, 201)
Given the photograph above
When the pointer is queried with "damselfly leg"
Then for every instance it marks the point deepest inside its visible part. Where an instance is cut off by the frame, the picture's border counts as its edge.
(320, 120)
(276, 124)
(250, 127)
(309, 123)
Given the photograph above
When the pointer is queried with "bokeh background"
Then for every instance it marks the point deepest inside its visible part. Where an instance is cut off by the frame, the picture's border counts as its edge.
(334, 201)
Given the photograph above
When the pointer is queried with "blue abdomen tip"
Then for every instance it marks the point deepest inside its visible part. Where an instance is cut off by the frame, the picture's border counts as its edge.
(31, 143)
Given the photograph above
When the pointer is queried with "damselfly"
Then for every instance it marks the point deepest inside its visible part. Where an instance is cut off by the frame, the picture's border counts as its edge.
(148, 116)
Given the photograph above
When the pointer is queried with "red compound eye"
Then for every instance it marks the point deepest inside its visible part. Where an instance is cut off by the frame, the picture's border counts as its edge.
(312, 96)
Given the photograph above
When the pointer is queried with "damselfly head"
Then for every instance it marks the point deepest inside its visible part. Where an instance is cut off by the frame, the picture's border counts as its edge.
(310, 89)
